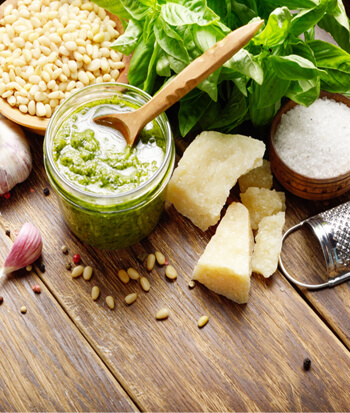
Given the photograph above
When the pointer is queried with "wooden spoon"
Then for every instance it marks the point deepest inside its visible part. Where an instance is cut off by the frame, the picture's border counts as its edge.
(130, 124)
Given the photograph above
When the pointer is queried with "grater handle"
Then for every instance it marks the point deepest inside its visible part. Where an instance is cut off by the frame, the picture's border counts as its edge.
(330, 283)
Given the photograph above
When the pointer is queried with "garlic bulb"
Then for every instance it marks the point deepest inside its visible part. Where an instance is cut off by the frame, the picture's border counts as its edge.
(15, 156)
(25, 250)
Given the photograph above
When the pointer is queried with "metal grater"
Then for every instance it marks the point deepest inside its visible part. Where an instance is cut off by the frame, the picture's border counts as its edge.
(332, 229)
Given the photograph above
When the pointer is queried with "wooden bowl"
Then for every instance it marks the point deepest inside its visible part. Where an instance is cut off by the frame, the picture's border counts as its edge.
(39, 124)
(300, 185)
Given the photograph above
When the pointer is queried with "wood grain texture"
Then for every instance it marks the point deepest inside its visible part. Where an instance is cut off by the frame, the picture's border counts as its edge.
(247, 358)
(46, 364)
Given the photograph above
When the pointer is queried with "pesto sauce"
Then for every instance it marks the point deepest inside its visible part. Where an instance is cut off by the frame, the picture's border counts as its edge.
(96, 157)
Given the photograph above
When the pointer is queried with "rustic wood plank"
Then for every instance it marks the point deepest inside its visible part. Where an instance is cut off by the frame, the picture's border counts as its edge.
(46, 364)
(248, 358)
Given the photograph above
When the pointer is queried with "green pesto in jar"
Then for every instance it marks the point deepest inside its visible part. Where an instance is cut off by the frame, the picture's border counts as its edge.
(97, 159)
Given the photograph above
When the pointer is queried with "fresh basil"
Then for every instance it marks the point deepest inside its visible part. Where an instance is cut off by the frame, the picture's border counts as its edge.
(282, 60)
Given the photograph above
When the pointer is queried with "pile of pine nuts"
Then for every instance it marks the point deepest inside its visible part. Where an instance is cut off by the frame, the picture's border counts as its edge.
(50, 49)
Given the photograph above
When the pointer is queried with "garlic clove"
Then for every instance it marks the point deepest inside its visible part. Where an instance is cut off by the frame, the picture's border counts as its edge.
(15, 155)
(25, 250)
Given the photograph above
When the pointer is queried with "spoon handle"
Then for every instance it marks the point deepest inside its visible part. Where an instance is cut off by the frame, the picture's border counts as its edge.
(197, 71)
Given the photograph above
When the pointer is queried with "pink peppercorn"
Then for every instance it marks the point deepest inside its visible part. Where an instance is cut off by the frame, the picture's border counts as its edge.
(7, 195)
(76, 259)
(36, 288)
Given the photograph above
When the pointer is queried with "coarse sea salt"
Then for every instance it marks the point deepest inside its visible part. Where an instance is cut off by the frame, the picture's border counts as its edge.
(315, 141)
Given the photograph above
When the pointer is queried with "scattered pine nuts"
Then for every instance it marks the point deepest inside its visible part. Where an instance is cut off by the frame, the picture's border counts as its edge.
(37, 289)
(23, 310)
(162, 314)
(191, 284)
(123, 276)
(29, 268)
(87, 273)
(95, 292)
(170, 272)
(110, 302)
(131, 298)
(133, 274)
(64, 249)
(77, 271)
(160, 258)
(202, 321)
(145, 284)
(151, 260)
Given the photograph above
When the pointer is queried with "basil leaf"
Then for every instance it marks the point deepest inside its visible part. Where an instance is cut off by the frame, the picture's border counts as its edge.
(139, 63)
(178, 15)
(294, 67)
(337, 64)
(231, 113)
(127, 8)
(247, 64)
(163, 65)
(336, 22)
(170, 41)
(292, 4)
(276, 29)
(263, 116)
(308, 18)
(192, 109)
(127, 42)
(270, 91)
(304, 92)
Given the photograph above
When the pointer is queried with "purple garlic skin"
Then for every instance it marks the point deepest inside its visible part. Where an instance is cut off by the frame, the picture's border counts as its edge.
(25, 250)
(15, 155)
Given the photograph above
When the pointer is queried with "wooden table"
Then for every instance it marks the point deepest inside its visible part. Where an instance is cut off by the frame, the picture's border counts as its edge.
(69, 353)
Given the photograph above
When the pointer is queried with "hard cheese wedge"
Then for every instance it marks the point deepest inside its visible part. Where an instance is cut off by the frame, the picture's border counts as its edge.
(225, 265)
(207, 171)
(262, 202)
(260, 177)
(268, 244)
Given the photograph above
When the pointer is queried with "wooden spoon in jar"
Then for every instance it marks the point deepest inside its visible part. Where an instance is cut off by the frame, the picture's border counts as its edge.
(130, 124)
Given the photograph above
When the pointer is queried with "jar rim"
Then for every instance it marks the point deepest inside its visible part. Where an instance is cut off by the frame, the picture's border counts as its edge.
(58, 118)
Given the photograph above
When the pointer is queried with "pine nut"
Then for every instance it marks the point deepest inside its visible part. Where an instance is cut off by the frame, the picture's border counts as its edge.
(131, 298)
(151, 260)
(95, 292)
(133, 274)
(191, 284)
(145, 284)
(87, 273)
(162, 314)
(170, 272)
(110, 302)
(123, 276)
(160, 258)
(23, 309)
(77, 271)
(202, 321)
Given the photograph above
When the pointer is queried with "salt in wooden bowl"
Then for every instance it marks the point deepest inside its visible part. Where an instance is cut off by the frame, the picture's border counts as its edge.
(39, 124)
(301, 185)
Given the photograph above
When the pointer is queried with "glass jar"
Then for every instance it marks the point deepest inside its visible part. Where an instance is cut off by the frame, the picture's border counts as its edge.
(109, 221)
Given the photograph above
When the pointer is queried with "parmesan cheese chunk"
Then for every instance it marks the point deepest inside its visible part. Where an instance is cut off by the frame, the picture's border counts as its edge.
(225, 265)
(268, 245)
(260, 177)
(262, 202)
(207, 171)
